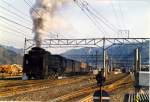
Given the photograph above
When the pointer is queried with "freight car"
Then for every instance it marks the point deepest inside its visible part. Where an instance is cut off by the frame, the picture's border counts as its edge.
(41, 64)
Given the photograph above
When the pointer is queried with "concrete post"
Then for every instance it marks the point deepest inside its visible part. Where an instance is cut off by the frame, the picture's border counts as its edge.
(104, 64)
(137, 66)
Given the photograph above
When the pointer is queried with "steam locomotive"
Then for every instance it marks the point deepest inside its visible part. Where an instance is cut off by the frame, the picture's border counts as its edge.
(41, 64)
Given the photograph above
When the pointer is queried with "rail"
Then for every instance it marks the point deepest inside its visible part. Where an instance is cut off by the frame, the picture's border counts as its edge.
(110, 86)
(140, 97)
(87, 99)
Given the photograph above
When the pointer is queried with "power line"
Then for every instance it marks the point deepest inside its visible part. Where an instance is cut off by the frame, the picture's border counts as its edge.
(22, 13)
(101, 16)
(14, 22)
(32, 8)
(14, 13)
(115, 14)
(12, 33)
(15, 30)
(93, 20)
(96, 12)
(85, 6)
(122, 16)
(9, 42)
(30, 2)
(36, 12)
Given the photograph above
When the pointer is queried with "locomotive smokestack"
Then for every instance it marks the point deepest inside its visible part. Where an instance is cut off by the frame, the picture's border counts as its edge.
(38, 35)
(42, 14)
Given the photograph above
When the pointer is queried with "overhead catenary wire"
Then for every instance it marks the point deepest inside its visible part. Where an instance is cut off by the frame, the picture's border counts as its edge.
(101, 16)
(85, 6)
(122, 15)
(34, 10)
(91, 18)
(115, 14)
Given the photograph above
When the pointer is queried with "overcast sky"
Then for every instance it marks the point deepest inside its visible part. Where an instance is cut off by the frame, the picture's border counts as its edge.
(132, 15)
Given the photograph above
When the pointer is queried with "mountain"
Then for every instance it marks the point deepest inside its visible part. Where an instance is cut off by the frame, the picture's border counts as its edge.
(16, 50)
(10, 55)
(116, 53)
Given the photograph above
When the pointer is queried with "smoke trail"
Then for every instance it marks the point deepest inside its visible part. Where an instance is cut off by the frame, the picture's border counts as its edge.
(42, 14)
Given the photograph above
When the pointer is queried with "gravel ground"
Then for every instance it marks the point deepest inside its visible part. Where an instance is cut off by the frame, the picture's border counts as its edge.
(49, 93)
(53, 92)
(118, 95)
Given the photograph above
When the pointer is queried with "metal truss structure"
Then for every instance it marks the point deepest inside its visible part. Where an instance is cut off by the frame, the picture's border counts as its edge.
(105, 43)
(89, 42)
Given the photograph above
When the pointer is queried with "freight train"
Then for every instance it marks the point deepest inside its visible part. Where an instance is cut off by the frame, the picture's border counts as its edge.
(41, 64)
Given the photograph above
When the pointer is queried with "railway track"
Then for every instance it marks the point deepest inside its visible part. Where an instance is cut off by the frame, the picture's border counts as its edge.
(15, 87)
(89, 97)
(109, 86)
(51, 89)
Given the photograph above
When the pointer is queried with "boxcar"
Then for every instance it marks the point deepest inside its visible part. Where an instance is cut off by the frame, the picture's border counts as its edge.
(40, 64)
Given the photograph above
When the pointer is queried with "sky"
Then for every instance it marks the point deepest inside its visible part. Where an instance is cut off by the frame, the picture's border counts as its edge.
(131, 15)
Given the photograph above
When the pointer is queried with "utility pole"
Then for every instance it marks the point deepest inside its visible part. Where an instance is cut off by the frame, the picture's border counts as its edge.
(104, 60)
(96, 60)
(137, 68)
(25, 42)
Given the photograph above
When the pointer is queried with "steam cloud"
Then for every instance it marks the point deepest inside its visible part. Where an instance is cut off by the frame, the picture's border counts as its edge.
(42, 14)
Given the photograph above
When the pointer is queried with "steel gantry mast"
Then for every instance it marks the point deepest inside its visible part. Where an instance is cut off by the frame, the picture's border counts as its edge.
(89, 42)
(104, 43)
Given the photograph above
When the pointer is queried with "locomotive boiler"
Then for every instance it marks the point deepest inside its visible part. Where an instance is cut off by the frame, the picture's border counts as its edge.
(41, 64)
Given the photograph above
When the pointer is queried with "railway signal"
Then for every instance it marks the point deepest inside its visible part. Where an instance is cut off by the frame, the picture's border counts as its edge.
(104, 98)
(100, 96)
(100, 78)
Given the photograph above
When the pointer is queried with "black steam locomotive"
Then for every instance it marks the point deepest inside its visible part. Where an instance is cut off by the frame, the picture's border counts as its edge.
(40, 64)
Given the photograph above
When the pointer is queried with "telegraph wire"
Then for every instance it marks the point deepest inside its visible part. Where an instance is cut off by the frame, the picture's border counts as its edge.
(15, 30)
(17, 35)
(8, 43)
(14, 13)
(30, 2)
(7, 19)
(32, 8)
(22, 13)
(38, 13)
